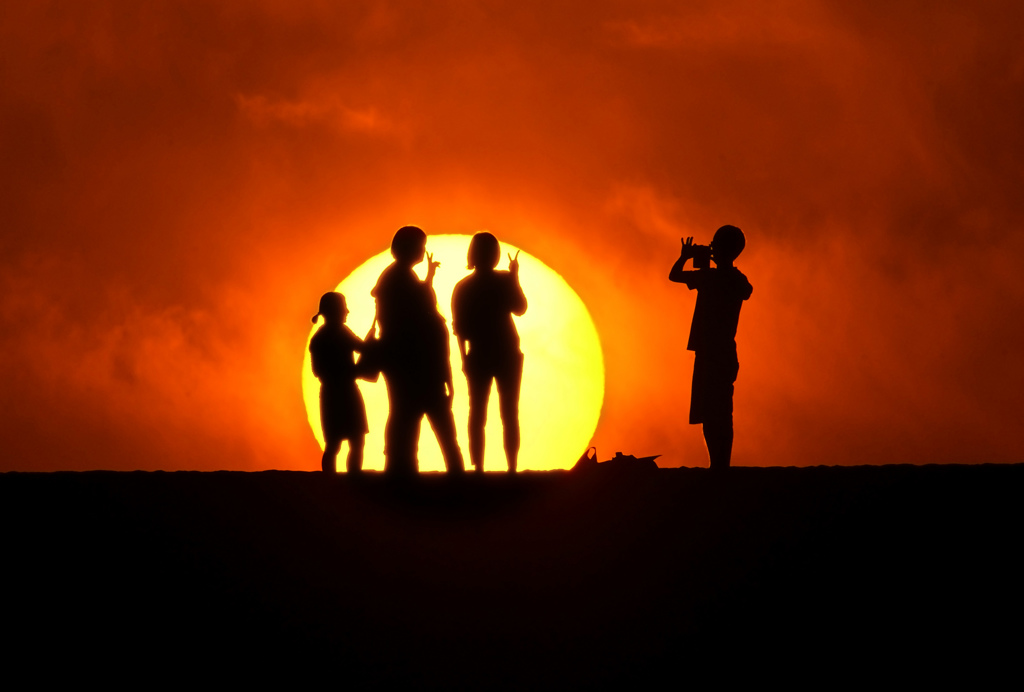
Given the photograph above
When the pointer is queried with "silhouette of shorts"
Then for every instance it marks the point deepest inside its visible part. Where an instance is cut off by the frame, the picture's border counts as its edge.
(342, 412)
(714, 373)
(481, 364)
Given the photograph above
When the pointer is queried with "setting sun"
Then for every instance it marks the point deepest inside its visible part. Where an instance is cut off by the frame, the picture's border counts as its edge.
(563, 374)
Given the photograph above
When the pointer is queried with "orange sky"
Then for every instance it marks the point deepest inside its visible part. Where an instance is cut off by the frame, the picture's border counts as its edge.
(181, 181)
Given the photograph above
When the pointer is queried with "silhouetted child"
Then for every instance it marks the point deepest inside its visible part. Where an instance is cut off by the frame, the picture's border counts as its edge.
(720, 295)
(342, 413)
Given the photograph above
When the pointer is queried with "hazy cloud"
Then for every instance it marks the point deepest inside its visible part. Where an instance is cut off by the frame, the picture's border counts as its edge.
(300, 113)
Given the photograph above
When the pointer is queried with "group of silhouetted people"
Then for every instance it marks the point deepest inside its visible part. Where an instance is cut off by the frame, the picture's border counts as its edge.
(408, 344)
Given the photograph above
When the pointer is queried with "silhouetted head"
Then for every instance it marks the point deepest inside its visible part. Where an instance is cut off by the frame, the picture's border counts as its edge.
(484, 251)
(333, 308)
(409, 244)
(727, 244)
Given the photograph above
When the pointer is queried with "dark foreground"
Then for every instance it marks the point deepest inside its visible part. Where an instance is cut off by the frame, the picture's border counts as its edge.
(543, 580)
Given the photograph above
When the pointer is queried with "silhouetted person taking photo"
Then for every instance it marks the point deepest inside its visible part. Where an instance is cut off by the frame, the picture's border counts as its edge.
(342, 413)
(414, 357)
(482, 307)
(720, 295)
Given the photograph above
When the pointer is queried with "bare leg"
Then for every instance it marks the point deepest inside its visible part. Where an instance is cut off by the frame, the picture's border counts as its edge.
(479, 393)
(329, 462)
(402, 430)
(443, 422)
(355, 453)
(509, 383)
(718, 436)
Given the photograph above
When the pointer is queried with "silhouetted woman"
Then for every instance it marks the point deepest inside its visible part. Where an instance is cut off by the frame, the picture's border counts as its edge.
(482, 307)
(342, 413)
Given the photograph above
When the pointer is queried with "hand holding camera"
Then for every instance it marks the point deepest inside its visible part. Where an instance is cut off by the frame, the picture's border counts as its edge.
(687, 251)
(701, 254)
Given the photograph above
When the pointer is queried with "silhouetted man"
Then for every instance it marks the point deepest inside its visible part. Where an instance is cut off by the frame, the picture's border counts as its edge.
(720, 295)
(414, 356)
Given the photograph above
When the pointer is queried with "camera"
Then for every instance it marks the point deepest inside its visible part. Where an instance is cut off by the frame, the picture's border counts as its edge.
(701, 256)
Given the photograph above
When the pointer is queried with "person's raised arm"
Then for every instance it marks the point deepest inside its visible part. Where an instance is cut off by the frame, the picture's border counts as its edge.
(359, 345)
(355, 341)
(677, 274)
(431, 270)
(518, 298)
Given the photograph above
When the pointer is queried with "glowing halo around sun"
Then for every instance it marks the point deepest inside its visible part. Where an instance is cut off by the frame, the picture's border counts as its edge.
(563, 372)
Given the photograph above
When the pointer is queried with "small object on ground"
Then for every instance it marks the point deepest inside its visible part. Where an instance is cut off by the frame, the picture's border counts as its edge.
(620, 461)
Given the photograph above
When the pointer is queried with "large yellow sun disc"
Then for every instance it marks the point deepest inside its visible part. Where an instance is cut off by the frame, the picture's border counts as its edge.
(563, 371)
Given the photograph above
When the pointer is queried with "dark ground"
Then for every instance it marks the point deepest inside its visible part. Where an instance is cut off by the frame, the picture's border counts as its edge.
(542, 580)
